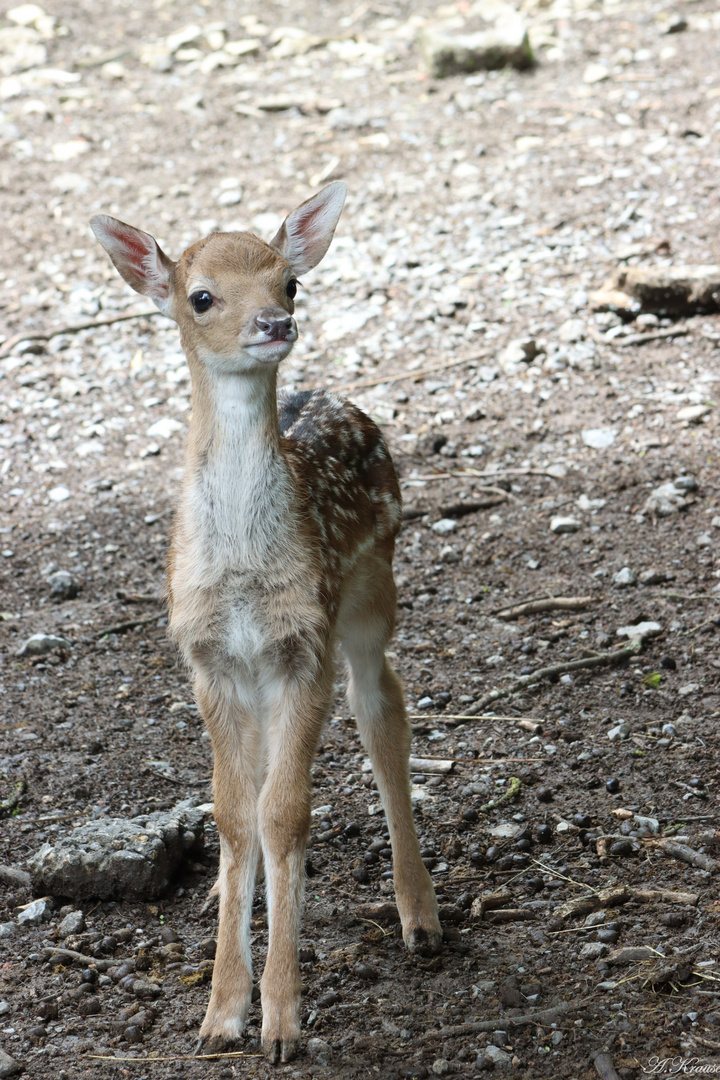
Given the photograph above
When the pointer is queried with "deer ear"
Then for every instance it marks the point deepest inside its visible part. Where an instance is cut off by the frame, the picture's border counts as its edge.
(138, 258)
(305, 235)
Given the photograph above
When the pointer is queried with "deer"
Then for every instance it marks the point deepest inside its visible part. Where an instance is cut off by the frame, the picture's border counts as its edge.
(281, 556)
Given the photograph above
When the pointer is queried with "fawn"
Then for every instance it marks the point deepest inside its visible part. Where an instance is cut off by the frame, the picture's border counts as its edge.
(282, 548)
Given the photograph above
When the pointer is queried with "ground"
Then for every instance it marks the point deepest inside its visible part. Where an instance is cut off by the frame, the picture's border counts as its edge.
(483, 210)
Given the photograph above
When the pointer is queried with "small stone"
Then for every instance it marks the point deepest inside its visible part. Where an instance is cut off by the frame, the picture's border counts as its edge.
(505, 44)
(331, 997)
(41, 644)
(425, 703)
(665, 500)
(319, 1050)
(622, 731)
(693, 414)
(36, 912)
(640, 632)
(73, 923)
(608, 935)
(8, 1065)
(595, 73)
(653, 577)
(448, 554)
(685, 483)
(440, 1066)
(444, 526)
(563, 525)
(593, 950)
(231, 197)
(669, 730)
(572, 330)
(62, 585)
(500, 1058)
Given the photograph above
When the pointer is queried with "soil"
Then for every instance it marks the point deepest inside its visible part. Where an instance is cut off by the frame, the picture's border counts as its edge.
(482, 211)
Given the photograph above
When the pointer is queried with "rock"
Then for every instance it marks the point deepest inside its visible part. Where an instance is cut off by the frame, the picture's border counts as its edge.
(665, 500)
(113, 857)
(319, 1050)
(62, 585)
(621, 731)
(7, 929)
(503, 44)
(73, 923)
(625, 577)
(500, 1058)
(8, 1065)
(564, 525)
(686, 483)
(36, 912)
(444, 526)
(595, 73)
(572, 330)
(440, 1067)
(654, 577)
(42, 644)
(599, 438)
(693, 414)
(517, 352)
(667, 290)
(640, 631)
(448, 554)
(164, 428)
(593, 950)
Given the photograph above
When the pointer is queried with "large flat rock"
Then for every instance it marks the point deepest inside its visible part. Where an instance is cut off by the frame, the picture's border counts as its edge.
(129, 859)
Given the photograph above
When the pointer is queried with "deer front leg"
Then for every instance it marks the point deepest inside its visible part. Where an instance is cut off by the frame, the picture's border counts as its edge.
(284, 817)
(235, 785)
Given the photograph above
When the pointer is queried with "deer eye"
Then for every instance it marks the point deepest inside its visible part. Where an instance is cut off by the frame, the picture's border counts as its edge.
(201, 301)
(291, 289)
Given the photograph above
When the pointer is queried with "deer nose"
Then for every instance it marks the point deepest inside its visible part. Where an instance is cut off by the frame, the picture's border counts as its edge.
(275, 329)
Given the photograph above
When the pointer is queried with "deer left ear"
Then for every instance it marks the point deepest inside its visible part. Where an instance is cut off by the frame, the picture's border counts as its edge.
(138, 258)
(306, 233)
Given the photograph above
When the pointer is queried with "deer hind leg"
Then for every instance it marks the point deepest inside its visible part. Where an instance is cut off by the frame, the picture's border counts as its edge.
(236, 780)
(284, 817)
(376, 698)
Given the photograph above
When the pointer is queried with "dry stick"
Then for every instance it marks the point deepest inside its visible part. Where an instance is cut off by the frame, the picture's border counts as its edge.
(45, 335)
(458, 509)
(553, 603)
(650, 335)
(473, 716)
(486, 475)
(684, 854)
(540, 1016)
(120, 628)
(417, 374)
(191, 1057)
(600, 660)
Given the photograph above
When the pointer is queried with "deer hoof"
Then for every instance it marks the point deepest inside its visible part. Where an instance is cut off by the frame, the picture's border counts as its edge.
(424, 942)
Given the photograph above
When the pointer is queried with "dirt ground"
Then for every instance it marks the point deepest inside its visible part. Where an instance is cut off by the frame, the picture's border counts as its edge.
(482, 211)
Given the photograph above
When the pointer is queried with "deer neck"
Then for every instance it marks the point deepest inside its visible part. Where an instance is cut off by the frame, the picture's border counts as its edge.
(238, 487)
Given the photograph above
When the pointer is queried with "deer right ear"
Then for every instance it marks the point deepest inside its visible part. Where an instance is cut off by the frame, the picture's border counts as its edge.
(138, 258)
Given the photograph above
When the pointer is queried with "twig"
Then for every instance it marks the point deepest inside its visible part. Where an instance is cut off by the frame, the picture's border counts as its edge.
(458, 509)
(539, 1016)
(130, 624)
(467, 716)
(552, 603)
(512, 791)
(486, 474)
(138, 598)
(71, 954)
(650, 335)
(417, 374)
(179, 1057)
(684, 854)
(45, 335)
(599, 660)
(687, 596)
